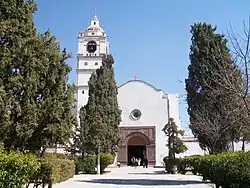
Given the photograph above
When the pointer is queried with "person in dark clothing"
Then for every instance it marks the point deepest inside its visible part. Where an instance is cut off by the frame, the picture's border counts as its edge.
(145, 162)
(133, 161)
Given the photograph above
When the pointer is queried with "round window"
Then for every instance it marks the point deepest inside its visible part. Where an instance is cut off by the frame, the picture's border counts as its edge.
(136, 114)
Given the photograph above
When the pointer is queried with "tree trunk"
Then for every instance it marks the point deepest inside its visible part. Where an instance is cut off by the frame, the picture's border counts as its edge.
(232, 145)
(243, 144)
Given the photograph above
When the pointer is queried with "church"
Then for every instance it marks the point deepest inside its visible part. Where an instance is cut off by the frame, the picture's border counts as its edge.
(145, 108)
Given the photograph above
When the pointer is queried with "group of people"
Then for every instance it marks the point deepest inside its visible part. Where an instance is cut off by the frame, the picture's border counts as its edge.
(137, 162)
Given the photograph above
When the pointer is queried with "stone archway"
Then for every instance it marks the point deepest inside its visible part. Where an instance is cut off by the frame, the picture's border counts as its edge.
(136, 136)
(137, 141)
(136, 146)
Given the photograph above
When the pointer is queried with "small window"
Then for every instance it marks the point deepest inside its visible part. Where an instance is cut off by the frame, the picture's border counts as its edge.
(85, 63)
(94, 23)
(95, 54)
(96, 63)
(135, 114)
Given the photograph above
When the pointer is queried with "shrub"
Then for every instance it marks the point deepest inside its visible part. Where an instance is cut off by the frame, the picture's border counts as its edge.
(56, 156)
(171, 163)
(16, 169)
(85, 165)
(225, 169)
(105, 160)
(53, 170)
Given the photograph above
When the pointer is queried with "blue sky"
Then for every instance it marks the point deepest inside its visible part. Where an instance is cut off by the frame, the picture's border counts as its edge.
(149, 39)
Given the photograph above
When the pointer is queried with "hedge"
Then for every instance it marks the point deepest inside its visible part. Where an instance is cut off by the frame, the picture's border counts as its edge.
(16, 169)
(226, 169)
(53, 170)
(87, 164)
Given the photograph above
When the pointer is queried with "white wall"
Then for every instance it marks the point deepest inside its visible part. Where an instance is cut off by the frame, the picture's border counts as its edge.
(193, 149)
(91, 62)
(174, 108)
(138, 94)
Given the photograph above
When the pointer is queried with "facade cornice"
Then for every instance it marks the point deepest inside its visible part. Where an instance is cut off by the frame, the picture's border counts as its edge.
(85, 70)
(141, 81)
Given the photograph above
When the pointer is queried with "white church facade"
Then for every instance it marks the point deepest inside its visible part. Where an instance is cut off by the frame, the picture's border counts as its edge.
(145, 108)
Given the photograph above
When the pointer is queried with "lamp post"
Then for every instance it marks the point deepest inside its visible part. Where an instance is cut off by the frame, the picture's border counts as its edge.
(98, 159)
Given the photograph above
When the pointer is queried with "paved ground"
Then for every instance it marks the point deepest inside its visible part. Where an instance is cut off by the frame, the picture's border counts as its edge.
(128, 177)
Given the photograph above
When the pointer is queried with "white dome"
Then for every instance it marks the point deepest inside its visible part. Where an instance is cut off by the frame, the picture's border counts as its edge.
(95, 28)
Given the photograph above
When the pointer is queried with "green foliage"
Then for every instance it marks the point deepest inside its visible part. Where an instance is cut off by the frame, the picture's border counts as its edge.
(101, 115)
(225, 169)
(106, 159)
(80, 143)
(36, 103)
(175, 144)
(54, 170)
(16, 169)
(86, 164)
(171, 163)
(215, 111)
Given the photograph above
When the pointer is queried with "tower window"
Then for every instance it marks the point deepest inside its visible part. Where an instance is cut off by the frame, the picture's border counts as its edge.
(94, 23)
(96, 63)
(85, 63)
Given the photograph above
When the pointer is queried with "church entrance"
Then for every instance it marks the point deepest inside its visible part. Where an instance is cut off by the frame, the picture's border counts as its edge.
(136, 142)
(136, 148)
(137, 152)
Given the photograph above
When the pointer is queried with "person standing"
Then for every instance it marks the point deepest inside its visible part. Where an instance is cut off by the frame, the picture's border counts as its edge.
(139, 161)
(133, 161)
(145, 162)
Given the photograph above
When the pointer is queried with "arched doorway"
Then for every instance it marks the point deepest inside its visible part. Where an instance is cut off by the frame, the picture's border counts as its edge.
(136, 146)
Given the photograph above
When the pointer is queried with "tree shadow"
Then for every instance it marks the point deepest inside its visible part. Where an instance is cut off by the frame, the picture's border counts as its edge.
(146, 182)
(149, 173)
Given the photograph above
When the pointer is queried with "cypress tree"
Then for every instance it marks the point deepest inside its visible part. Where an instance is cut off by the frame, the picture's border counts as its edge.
(102, 111)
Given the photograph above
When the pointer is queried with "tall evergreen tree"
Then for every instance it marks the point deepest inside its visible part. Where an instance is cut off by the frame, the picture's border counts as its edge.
(210, 104)
(102, 111)
(36, 101)
(80, 142)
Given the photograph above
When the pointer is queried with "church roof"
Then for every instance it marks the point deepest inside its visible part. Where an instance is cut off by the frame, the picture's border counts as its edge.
(94, 28)
(141, 81)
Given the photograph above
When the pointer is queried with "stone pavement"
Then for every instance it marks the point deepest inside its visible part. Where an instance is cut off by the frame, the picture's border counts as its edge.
(128, 177)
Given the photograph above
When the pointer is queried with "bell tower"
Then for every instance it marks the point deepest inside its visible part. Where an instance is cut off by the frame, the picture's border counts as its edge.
(92, 45)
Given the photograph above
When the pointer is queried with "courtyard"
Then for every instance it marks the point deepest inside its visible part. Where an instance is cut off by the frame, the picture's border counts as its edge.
(135, 177)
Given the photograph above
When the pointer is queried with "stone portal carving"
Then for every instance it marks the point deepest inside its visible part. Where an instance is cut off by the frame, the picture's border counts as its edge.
(147, 133)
